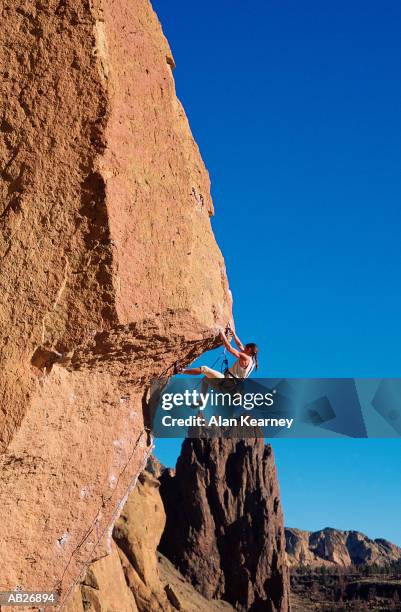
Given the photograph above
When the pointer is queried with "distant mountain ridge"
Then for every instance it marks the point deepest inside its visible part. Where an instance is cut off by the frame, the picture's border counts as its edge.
(333, 547)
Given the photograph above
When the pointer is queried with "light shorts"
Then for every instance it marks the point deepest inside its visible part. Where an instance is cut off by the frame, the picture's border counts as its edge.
(209, 373)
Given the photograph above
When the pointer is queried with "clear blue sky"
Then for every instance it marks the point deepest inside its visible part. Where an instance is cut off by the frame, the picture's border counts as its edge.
(296, 109)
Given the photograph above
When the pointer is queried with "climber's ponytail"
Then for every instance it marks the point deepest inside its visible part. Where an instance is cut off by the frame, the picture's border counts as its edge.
(254, 353)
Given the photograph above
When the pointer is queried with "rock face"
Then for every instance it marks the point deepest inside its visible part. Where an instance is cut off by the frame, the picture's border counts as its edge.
(224, 528)
(137, 533)
(104, 587)
(134, 577)
(109, 270)
(330, 547)
(182, 595)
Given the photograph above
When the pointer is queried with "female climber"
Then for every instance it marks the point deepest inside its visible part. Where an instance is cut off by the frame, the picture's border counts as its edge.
(247, 360)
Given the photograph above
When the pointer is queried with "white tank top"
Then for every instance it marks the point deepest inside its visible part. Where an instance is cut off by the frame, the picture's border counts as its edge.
(239, 372)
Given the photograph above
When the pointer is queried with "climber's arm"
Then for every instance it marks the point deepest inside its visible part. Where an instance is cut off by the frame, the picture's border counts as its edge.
(228, 346)
(237, 340)
(231, 331)
(239, 354)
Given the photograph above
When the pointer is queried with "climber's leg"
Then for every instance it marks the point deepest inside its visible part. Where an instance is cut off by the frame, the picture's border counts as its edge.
(190, 371)
(211, 379)
(208, 372)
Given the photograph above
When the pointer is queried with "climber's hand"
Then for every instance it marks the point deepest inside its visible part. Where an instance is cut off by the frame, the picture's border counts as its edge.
(223, 337)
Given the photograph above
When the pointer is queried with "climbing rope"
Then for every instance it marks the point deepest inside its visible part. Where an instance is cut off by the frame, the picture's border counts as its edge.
(224, 362)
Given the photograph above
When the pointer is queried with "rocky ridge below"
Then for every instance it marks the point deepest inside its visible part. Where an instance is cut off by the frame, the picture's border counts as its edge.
(224, 529)
(135, 577)
(206, 536)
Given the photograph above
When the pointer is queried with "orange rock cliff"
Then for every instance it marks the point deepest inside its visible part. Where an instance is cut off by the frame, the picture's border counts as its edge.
(109, 270)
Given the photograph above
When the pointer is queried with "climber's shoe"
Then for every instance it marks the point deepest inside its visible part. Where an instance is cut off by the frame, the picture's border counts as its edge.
(177, 368)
